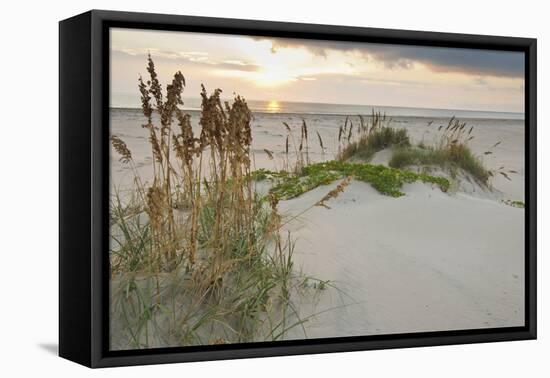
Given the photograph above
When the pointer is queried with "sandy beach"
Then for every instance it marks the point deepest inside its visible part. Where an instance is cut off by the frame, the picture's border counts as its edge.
(426, 261)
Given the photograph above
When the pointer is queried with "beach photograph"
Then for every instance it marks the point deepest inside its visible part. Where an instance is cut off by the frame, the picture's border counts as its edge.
(268, 189)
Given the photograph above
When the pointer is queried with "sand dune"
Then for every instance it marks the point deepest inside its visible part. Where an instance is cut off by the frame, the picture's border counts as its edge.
(424, 262)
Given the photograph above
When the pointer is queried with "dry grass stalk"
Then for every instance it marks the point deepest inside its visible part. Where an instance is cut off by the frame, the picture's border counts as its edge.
(179, 179)
(334, 193)
(301, 150)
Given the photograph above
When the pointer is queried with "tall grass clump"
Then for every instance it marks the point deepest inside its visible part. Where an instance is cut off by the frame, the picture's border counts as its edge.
(196, 256)
(367, 138)
(449, 151)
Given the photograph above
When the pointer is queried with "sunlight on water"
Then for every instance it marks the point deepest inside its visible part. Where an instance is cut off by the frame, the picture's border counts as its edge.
(273, 106)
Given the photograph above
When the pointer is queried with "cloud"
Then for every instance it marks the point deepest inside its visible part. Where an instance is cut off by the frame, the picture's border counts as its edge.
(189, 57)
(232, 65)
(438, 59)
(480, 81)
(366, 78)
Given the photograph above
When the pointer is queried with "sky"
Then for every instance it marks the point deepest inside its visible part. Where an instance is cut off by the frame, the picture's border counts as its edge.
(300, 70)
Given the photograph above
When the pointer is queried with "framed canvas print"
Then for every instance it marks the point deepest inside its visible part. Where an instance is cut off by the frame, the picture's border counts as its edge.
(234, 188)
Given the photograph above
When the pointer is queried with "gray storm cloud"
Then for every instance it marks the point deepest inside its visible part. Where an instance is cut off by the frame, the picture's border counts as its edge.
(438, 59)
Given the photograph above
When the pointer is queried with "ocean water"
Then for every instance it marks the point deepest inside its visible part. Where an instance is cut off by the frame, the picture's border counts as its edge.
(312, 108)
(269, 133)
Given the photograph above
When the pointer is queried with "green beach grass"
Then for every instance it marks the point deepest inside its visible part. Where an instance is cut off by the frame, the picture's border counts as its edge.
(451, 158)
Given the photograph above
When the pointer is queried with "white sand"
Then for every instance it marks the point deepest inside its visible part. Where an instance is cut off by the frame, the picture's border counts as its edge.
(424, 262)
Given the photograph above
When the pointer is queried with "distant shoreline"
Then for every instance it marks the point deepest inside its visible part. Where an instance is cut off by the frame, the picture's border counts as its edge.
(483, 115)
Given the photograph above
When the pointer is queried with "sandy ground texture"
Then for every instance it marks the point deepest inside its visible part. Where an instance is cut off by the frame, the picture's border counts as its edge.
(427, 261)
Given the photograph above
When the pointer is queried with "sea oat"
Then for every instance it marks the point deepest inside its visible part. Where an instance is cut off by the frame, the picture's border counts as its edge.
(121, 148)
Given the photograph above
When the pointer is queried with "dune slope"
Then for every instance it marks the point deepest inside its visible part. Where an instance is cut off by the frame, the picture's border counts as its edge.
(426, 261)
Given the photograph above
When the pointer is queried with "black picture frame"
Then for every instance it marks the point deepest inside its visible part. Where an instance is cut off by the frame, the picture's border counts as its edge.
(84, 187)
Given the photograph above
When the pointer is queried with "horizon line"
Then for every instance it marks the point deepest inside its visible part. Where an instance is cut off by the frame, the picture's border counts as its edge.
(341, 104)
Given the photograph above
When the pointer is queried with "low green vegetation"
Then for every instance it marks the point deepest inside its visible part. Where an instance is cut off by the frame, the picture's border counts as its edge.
(386, 180)
(514, 203)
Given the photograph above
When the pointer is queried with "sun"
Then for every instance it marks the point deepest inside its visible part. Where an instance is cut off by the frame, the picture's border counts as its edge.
(273, 106)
